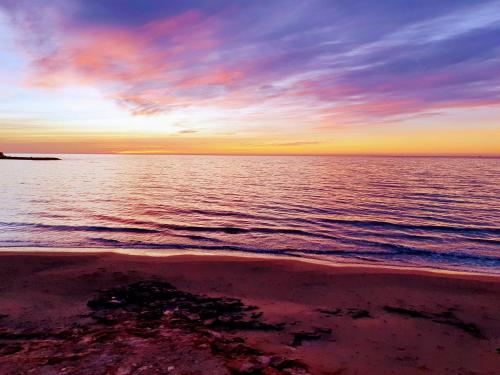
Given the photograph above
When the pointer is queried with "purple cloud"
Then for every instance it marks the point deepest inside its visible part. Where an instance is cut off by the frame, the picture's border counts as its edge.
(347, 61)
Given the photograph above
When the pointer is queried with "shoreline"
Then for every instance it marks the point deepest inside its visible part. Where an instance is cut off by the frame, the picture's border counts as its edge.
(159, 253)
(316, 318)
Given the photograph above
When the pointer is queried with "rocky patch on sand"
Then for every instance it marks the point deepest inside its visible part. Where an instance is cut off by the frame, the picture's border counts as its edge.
(447, 317)
(149, 327)
(315, 334)
(352, 312)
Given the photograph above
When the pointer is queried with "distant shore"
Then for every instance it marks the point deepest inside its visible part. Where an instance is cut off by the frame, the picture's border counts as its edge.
(42, 158)
(316, 319)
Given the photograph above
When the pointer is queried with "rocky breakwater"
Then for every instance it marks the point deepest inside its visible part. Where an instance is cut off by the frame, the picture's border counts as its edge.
(5, 157)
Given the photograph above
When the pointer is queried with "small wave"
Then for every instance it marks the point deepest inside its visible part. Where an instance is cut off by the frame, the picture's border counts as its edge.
(202, 238)
(121, 220)
(460, 257)
(106, 241)
(423, 227)
(239, 230)
(194, 228)
(456, 256)
(82, 228)
(489, 241)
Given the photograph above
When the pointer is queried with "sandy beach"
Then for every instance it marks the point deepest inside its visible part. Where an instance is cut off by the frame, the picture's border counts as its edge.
(217, 187)
(294, 317)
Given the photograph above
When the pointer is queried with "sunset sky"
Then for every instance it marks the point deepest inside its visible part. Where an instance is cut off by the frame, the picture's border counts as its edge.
(250, 77)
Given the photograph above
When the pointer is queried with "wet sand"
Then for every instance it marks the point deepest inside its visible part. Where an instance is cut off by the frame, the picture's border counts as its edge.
(319, 318)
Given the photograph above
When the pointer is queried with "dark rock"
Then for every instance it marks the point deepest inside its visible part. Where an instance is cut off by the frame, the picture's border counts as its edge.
(316, 334)
(470, 328)
(299, 337)
(335, 312)
(358, 314)
(402, 311)
(291, 364)
(353, 313)
(245, 366)
(271, 371)
(11, 348)
(325, 331)
(445, 317)
(276, 361)
(106, 319)
(257, 315)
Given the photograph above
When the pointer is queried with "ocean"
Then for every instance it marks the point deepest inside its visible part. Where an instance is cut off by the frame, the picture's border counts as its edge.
(430, 212)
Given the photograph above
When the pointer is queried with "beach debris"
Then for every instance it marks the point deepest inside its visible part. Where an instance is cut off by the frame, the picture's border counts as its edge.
(354, 313)
(335, 312)
(359, 313)
(447, 317)
(315, 334)
(408, 312)
(27, 334)
(10, 348)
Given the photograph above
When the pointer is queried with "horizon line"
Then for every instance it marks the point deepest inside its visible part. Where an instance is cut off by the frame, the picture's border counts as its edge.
(489, 156)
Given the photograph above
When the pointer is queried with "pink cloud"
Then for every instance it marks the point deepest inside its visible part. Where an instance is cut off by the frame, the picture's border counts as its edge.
(144, 68)
(205, 57)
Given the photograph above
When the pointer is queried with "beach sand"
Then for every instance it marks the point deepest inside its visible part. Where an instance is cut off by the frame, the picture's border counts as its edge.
(317, 319)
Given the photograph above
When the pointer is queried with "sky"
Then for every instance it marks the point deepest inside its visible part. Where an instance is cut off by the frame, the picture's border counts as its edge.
(413, 77)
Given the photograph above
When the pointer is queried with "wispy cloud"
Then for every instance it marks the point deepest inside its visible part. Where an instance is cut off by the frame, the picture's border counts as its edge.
(294, 144)
(349, 62)
(188, 131)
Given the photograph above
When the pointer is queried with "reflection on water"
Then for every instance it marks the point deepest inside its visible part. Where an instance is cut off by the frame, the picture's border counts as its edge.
(433, 212)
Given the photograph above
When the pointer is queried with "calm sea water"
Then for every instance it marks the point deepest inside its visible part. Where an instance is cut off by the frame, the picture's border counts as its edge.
(431, 212)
